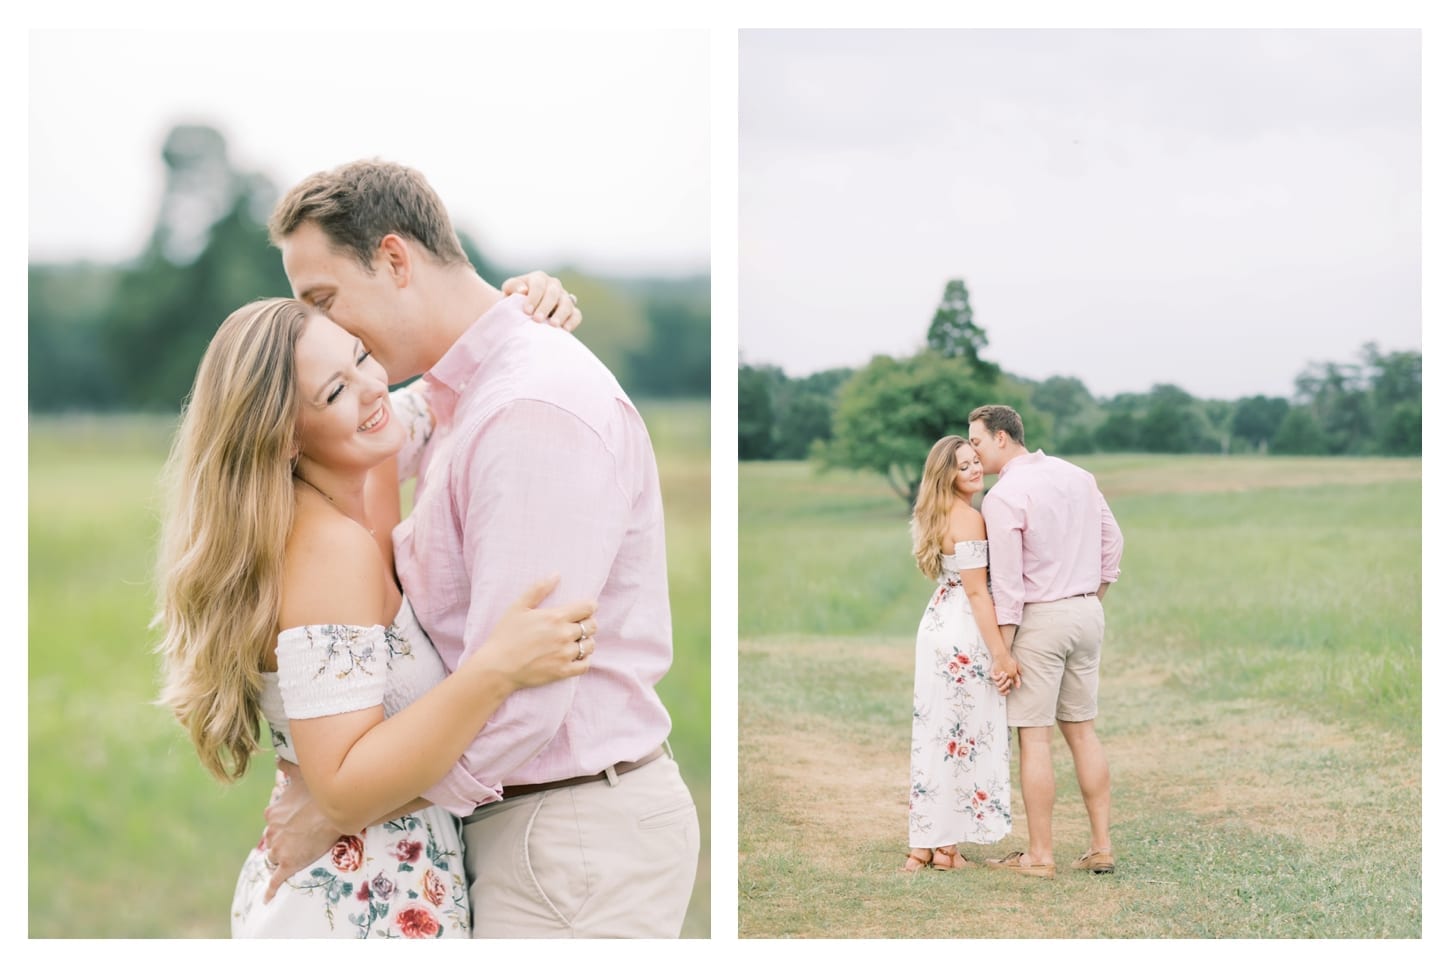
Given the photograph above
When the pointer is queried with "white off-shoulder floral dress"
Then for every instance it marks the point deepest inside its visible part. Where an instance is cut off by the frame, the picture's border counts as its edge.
(960, 757)
(403, 878)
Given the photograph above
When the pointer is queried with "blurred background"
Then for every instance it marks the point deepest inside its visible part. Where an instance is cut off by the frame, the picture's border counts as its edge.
(584, 154)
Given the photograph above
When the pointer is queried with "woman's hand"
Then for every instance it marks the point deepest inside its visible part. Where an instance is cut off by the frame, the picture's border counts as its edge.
(1006, 674)
(531, 645)
(546, 299)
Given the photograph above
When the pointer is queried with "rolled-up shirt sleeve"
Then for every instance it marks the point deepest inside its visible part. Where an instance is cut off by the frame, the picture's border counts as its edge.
(537, 492)
(1112, 542)
(1004, 543)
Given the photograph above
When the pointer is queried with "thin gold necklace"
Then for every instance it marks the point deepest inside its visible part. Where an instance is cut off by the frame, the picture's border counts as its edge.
(332, 502)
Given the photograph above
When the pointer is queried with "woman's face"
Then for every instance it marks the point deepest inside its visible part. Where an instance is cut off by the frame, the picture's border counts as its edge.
(346, 422)
(969, 472)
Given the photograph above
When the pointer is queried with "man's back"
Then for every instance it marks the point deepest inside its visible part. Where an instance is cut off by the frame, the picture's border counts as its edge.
(1051, 532)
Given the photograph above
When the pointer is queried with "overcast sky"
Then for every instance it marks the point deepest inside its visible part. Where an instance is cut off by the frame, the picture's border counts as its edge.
(549, 147)
(1209, 208)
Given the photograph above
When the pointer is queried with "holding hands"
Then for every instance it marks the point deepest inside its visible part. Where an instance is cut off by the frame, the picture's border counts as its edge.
(1006, 674)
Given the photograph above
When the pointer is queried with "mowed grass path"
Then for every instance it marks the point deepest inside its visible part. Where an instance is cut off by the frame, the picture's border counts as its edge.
(128, 836)
(1260, 708)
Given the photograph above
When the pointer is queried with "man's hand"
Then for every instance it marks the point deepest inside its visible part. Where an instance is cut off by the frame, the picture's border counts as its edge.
(546, 300)
(297, 833)
(1006, 675)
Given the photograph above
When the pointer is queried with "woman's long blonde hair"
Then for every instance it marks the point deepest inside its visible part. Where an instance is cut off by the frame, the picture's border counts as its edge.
(932, 514)
(225, 527)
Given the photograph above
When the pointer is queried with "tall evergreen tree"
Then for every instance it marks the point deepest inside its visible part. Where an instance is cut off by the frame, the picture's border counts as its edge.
(953, 334)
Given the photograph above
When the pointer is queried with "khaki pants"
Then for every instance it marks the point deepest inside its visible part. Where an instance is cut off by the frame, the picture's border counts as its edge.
(599, 859)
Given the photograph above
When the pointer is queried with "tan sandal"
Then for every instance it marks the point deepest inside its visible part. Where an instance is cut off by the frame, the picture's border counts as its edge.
(947, 858)
(914, 862)
(1012, 863)
(1096, 861)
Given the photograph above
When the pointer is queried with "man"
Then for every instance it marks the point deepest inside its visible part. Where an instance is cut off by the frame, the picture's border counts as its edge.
(576, 820)
(1055, 549)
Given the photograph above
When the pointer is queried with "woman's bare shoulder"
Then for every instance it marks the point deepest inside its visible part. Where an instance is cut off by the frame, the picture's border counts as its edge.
(333, 573)
(966, 523)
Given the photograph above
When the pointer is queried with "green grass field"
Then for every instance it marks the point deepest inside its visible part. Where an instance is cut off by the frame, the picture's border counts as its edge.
(1260, 708)
(128, 836)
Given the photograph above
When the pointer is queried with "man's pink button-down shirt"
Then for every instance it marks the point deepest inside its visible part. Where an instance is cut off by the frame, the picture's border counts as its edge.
(1050, 534)
(539, 464)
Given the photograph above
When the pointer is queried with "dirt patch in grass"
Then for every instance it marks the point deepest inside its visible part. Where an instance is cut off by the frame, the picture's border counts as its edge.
(1249, 764)
(852, 794)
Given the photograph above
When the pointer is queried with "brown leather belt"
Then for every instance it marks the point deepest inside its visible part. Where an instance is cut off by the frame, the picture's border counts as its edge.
(620, 768)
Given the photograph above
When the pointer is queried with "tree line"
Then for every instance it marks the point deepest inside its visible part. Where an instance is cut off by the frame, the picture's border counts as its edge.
(129, 336)
(884, 416)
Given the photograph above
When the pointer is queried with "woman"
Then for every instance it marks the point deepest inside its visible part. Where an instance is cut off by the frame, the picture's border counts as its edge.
(278, 600)
(960, 779)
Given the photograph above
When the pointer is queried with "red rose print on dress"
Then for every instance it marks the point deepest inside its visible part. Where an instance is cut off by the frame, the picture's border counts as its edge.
(417, 923)
(347, 854)
(408, 850)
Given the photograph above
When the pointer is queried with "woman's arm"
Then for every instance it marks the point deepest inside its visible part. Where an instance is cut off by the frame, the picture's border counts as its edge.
(359, 764)
(967, 525)
(1005, 672)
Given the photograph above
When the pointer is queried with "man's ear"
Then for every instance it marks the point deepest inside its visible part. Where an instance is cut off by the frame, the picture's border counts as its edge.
(395, 257)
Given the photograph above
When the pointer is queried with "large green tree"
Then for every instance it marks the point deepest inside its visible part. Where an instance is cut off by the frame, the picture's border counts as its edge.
(893, 410)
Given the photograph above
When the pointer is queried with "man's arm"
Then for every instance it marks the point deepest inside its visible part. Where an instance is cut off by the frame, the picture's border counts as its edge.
(1112, 547)
(297, 832)
(1004, 543)
(542, 496)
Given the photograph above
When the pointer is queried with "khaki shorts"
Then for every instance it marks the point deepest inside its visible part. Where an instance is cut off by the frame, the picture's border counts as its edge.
(1058, 647)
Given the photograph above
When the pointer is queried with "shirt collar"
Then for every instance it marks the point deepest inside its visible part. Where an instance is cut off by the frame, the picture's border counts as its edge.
(450, 376)
(1035, 456)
